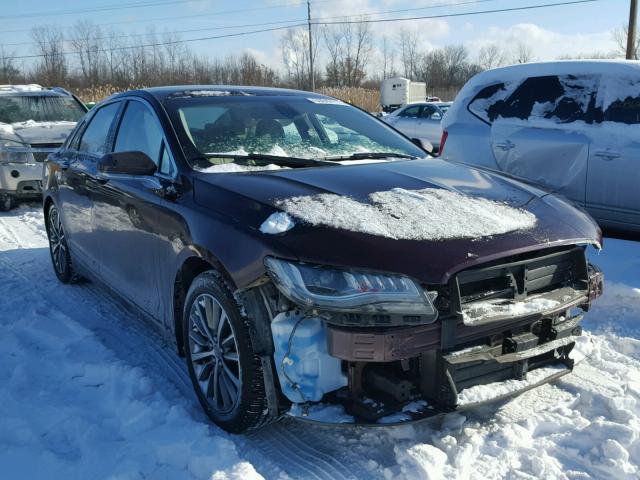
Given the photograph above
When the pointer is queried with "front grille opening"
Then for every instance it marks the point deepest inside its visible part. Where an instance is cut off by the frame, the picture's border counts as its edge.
(517, 278)
(499, 287)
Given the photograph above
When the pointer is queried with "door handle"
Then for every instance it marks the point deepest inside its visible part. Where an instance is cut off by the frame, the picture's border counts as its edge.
(607, 155)
(506, 145)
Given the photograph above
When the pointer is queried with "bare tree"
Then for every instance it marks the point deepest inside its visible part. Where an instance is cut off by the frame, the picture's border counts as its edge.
(349, 47)
(522, 53)
(357, 52)
(334, 42)
(86, 40)
(410, 55)
(52, 68)
(294, 46)
(388, 59)
(491, 56)
(9, 73)
(620, 39)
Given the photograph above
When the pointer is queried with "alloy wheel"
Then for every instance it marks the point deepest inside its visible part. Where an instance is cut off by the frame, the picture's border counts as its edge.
(57, 241)
(214, 353)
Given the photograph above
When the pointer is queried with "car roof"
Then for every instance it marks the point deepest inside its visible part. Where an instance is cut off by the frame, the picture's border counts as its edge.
(437, 104)
(520, 72)
(162, 93)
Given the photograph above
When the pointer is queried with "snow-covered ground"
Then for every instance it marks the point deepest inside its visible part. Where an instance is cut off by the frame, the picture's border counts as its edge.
(87, 390)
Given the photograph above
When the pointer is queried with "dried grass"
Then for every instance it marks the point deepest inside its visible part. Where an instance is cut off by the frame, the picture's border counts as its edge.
(369, 99)
(96, 93)
(365, 98)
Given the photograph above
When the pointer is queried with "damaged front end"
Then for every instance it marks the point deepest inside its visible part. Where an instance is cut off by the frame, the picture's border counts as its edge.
(376, 348)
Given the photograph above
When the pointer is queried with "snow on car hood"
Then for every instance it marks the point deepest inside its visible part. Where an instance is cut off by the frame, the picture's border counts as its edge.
(433, 217)
(36, 132)
(427, 214)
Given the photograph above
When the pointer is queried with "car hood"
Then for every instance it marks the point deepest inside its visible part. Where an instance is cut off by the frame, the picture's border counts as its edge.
(32, 132)
(250, 198)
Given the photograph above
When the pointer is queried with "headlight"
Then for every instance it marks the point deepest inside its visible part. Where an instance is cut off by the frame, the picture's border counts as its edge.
(12, 151)
(334, 289)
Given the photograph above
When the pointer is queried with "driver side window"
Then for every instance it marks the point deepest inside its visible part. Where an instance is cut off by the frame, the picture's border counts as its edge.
(139, 131)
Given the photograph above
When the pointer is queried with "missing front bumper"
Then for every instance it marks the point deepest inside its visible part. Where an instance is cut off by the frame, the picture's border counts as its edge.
(417, 410)
(394, 379)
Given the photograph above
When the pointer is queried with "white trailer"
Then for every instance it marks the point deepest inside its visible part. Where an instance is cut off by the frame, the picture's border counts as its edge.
(398, 91)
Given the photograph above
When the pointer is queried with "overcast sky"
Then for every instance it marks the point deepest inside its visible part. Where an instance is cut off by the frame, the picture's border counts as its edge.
(550, 32)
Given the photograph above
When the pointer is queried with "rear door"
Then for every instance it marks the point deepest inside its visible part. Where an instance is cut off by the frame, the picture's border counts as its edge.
(77, 183)
(541, 133)
(613, 183)
(126, 211)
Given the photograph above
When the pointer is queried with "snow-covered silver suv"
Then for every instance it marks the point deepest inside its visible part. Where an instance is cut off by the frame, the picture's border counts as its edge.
(34, 121)
(572, 127)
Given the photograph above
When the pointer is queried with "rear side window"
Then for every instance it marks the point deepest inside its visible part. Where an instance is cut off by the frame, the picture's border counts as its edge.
(624, 104)
(488, 101)
(561, 99)
(94, 138)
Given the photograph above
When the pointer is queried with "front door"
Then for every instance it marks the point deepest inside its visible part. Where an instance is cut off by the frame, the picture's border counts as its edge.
(613, 193)
(542, 132)
(125, 213)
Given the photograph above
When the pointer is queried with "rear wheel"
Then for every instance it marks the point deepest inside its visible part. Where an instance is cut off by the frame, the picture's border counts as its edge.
(7, 202)
(225, 371)
(58, 247)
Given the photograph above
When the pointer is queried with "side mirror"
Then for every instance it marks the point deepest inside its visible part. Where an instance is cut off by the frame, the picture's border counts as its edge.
(423, 144)
(128, 163)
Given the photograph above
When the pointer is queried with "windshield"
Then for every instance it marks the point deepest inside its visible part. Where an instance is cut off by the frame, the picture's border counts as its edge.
(39, 108)
(283, 126)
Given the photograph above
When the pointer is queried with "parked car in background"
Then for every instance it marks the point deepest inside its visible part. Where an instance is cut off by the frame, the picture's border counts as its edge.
(420, 121)
(302, 254)
(397, 91)
(572, 127)
(34, 121)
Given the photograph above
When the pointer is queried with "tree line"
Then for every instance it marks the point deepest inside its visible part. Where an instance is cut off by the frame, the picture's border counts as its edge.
(346, 55)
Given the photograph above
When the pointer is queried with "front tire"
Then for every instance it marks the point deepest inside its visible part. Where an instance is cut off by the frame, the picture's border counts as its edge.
(225, 371)
(60, 257)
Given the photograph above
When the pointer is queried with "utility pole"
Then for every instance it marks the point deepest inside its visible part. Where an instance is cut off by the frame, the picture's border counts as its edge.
(313, 78)
(631, 35)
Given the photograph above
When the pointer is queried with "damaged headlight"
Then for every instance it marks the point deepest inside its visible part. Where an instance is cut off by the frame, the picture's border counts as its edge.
(335, 289)
(12, 151)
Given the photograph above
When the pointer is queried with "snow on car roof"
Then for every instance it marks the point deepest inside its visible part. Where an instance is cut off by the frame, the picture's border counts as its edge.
(32, 87)
(515, 73)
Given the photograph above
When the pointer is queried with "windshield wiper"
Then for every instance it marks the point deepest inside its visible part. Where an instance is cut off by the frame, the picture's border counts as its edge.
(294, 162)
(369, 156)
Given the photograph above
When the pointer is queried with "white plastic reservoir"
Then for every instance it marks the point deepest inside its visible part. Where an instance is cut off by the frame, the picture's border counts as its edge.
(308, 371)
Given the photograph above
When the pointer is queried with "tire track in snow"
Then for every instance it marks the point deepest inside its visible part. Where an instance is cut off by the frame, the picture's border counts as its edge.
(299, 451)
